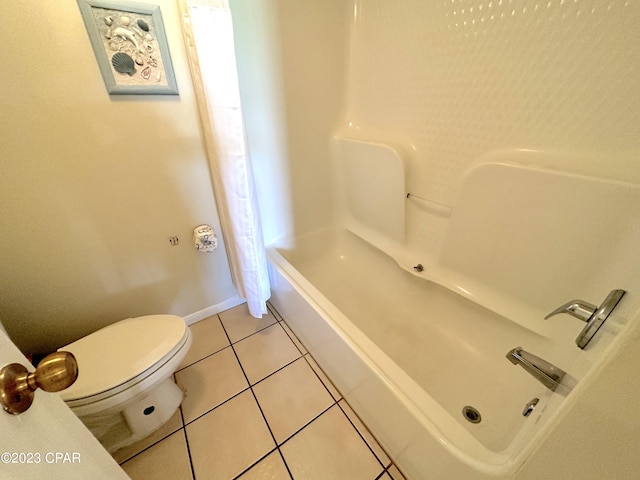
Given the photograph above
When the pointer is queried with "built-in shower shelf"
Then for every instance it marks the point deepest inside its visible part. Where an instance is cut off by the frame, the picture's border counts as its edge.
(372, 183)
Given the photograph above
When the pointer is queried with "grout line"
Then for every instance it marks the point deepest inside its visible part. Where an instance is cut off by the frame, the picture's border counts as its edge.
(219, 405)
(182, 413)
(320, 378)
(395, 477)
(384, 468)
(247, 336)
(149, 446)
(252, 334)
(254, 463)
(274, 311)
(307, 424)
(186, 440)
(224, 329)
(203, 358)
(212, 353)
(276, 371)
(286, 465)
(392, 477)
(295, 340)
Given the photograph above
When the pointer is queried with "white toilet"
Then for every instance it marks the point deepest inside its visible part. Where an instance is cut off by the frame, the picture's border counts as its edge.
(125, 389)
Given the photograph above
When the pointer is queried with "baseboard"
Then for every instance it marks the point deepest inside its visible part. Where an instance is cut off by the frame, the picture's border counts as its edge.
(213, 310)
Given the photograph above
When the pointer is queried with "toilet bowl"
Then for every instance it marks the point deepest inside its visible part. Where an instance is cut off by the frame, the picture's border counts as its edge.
(125, 389)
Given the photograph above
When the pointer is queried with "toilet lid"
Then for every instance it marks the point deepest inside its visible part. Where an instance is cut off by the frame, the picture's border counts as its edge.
(122, 351)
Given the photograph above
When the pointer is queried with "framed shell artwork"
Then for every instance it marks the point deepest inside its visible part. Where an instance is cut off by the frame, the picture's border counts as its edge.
(131, 47)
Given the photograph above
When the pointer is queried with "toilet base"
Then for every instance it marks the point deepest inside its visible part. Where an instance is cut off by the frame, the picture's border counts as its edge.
(136, 419)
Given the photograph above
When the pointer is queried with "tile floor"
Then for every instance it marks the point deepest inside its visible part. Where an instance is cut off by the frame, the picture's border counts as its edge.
(257, 406)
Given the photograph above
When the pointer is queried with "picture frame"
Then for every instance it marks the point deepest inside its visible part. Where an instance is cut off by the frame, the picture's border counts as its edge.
(130, 45)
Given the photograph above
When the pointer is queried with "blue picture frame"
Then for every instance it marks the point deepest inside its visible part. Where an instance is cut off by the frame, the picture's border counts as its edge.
(130, 45)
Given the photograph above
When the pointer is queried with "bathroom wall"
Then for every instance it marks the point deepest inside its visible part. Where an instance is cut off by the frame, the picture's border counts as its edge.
(92, 186)
(291, 63)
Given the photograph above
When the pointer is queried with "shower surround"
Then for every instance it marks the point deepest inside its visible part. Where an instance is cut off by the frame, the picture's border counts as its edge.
(494, 144)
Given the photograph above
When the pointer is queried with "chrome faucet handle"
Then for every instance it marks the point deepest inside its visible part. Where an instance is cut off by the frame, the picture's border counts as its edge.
(576, 308)
(594, 316)
(599, 317)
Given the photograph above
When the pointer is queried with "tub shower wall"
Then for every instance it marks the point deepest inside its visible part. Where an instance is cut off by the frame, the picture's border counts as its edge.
(450, 82)
(446, 86)
(444, 82)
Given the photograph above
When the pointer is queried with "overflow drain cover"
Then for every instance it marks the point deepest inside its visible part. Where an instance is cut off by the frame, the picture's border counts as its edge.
(471, 414)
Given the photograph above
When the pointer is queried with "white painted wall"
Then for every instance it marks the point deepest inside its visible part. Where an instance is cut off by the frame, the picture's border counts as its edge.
(92, 186)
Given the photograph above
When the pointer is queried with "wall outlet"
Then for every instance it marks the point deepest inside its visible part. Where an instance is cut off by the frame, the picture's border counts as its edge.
(174, 241)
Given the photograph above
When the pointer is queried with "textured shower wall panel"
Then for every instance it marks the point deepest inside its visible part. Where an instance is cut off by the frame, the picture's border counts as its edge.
(456, 81)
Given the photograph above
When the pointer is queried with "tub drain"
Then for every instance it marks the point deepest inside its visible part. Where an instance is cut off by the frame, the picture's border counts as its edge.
(471, 414)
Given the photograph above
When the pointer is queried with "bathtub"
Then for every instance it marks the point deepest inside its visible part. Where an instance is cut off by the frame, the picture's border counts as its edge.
(409, 355)
(419, 355)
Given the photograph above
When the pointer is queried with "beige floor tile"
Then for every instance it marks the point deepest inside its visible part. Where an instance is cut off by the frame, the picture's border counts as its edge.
(271, 468)
(395, 473)
(168, 460)
(293, 337)
(366, 434)
(291, 398)
(240, 324)
(210, 382)
(174, 424)
(327, 383)
(207, 337)
(330, 448)
(265, 352)
(229, 439)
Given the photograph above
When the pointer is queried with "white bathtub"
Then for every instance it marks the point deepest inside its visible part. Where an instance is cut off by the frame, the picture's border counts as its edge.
(409, 354)
(409, 350)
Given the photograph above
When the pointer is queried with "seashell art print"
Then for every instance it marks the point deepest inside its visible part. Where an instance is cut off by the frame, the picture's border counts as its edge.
(123, 63)
(146, 73)
(127, 35)
(130, 45)
(143, 25)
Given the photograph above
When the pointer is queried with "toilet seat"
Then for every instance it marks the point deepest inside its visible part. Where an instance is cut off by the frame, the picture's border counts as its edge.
(124, 355)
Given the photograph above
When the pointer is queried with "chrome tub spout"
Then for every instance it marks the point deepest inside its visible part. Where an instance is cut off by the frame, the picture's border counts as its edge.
(546, 373)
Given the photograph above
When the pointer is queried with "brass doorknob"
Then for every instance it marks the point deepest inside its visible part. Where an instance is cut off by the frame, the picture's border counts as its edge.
(17, 385)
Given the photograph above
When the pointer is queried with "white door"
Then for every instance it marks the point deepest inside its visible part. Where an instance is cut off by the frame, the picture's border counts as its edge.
(48, 440)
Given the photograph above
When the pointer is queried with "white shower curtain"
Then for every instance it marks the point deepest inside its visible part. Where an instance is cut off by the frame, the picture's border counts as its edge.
(209, 37)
